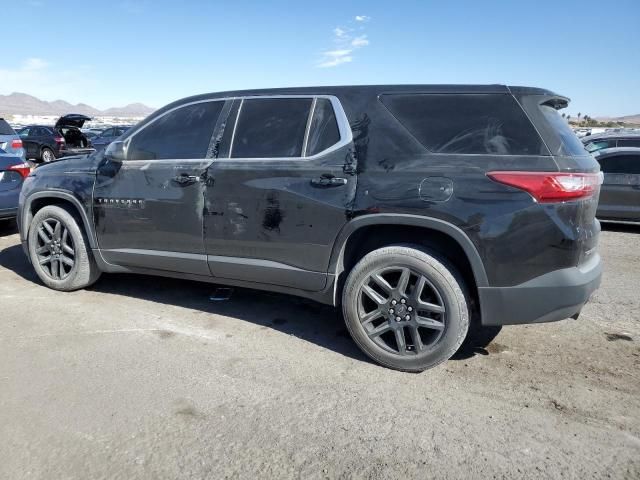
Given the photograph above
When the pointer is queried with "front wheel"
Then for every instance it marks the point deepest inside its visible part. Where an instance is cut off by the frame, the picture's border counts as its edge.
(406, 307)
(59, 251)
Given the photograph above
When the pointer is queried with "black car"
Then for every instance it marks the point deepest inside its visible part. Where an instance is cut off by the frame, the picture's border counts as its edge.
(416, 209)
(620, 193)
(593, 143)
(13, 171)
(44, 143)
(103, 140)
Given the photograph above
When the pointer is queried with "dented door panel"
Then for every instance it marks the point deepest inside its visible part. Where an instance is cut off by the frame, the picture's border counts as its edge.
(279, 211)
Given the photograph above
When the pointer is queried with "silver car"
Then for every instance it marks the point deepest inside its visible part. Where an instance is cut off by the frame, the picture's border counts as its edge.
(10, 141)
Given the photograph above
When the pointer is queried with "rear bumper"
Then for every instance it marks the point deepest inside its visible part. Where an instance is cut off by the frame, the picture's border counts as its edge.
(554, 296)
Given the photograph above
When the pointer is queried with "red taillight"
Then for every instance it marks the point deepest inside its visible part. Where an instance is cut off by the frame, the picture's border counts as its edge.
(59, 139)
(17, 143)
(549, 187)
(22, 168)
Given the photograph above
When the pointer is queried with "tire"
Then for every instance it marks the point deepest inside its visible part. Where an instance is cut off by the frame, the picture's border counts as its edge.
(54, 230)
(433, 321)
(47, 155)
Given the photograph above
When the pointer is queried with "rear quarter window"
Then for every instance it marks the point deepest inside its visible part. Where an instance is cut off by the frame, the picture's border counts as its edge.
(492, 124)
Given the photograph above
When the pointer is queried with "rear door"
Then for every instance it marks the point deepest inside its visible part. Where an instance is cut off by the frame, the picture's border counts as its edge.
(620, 193)
(281, 192)
(148, 208)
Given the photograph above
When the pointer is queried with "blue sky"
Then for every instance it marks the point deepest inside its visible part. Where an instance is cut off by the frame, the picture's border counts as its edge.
(113, 52)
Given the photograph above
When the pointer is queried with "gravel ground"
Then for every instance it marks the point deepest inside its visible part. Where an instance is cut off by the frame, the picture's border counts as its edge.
(142, 377)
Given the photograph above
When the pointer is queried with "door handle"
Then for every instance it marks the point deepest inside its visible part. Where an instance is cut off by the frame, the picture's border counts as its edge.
(186, 179)
(328, 181)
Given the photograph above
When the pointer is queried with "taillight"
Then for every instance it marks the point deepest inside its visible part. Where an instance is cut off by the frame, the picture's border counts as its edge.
(16, 143)
(549, 187)
(59, 139)
(22, 168)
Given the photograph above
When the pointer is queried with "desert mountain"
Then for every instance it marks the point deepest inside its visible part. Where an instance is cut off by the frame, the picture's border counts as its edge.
(23, 104)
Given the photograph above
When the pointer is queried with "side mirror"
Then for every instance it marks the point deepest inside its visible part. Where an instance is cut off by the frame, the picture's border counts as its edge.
(115, 152)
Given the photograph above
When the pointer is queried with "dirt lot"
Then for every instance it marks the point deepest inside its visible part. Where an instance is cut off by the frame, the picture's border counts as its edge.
(147, 378)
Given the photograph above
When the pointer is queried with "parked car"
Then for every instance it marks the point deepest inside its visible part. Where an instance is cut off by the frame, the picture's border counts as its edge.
(10, 141)
(13, 171)
(620, 194)
(415, 209)
(601, 141)
(44, 143)
(107, 136)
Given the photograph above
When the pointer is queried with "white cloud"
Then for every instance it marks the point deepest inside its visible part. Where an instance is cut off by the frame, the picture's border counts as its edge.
(346, 43)
(360, 41)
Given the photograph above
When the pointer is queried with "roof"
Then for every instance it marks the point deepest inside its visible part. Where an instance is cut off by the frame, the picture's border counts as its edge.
(365, 89)
(604, 152)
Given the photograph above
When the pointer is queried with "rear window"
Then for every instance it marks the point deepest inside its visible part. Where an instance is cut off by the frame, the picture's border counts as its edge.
(624, 163)
(599, 145)
(5, 128)
(467, 123)
(271, 128)
(571, 143)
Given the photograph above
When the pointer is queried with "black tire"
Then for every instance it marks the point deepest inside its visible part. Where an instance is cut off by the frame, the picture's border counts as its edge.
(47, 155)
(50, 259)
(434, 315)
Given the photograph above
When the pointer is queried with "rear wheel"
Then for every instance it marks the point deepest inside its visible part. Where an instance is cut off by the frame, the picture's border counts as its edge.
(406, 308)
(47, 155)
(59, 250)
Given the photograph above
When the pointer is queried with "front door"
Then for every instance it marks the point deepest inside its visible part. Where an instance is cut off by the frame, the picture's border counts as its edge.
(148, 208)
(283, 184)
(620, 191)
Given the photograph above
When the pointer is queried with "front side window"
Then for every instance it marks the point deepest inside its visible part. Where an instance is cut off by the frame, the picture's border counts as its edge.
(184, 133)
(271, 128)
(466, 123)
(624, 163)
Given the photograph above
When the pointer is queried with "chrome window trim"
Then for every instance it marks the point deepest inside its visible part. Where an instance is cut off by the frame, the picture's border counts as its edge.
(344, 129)
(308, 129)
(346, 136)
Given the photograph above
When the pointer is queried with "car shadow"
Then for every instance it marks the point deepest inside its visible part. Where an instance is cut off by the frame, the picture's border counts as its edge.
(305, 319)
(620, 227)
(8, 227)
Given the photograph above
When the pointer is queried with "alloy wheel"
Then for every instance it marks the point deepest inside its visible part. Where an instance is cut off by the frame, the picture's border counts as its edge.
(401, 311)
(55, 249)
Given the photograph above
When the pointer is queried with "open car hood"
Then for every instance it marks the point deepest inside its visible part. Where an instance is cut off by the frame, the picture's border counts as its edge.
(72, 120)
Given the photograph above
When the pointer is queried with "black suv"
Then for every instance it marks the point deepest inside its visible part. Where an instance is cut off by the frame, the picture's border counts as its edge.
(45, 143)
(416, 209)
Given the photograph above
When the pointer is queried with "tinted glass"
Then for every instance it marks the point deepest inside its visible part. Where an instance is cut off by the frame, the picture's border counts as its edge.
(5, 128)
(24, 132)
(623, 163)
(323, 132)
(466, 123)
(183, 133)
(570, 142)
(599, 145)
(629, 142)
(271, 127)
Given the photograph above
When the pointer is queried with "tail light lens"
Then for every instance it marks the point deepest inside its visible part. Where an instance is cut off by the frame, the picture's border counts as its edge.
(16, 143)
(59, 139)
(550, 187)
(22, 168)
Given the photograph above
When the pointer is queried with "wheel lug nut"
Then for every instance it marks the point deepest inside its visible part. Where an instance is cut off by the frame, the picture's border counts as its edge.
(398, 319)
(403, 301)
(410, 309)
(393, 302)
(407, 317)
(391, 311)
